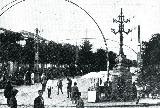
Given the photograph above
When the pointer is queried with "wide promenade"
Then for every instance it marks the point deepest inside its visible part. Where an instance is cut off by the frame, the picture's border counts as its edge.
(27, 94)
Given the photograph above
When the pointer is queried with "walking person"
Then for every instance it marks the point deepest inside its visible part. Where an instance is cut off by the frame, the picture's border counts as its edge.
(7, 91)
(13, 100)
(69, 87)
(49, 87)
(39, 101)
(59, 85)
(74, 93)
(43, 81)
(80, 103)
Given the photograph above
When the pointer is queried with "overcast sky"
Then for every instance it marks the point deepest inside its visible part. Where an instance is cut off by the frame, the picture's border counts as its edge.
(58, 20)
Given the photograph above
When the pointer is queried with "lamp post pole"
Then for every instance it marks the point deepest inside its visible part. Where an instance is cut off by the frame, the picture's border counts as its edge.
(121, 22)
(36, 65)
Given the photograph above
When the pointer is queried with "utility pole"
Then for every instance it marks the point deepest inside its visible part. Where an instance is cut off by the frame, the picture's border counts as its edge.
(121, 30)
(36, 56)
(139, 59)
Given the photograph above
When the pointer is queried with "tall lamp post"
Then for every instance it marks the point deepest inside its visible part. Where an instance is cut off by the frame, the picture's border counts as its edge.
(122, 76)
(121, 22)
(36, 65)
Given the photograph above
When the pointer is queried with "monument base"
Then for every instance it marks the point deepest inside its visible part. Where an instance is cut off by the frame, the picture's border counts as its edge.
(121, 81)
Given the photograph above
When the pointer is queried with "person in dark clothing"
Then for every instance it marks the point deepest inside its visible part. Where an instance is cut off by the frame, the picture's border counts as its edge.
(49, 87)
(7, 91)
(134, 90)
(59, 85)
(13, 100)
(28, 78)
(74, 93)
(80, 103)
(39, 101)
(69, 86)
(43, 81)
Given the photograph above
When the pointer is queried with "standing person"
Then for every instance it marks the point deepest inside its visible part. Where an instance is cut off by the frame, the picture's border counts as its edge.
(43, 81)
(28, 78)
(7, 91)
(69, 87)
(59, 85)
(32, 78)
(24, 78)
(13, 100)
(80, 103)
(49, 87)
(74, 93)
(134, 90)
(39, 101)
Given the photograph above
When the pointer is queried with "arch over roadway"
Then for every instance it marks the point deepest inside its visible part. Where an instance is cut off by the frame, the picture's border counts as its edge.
(13, 2)
(26, 34)
(92, 19)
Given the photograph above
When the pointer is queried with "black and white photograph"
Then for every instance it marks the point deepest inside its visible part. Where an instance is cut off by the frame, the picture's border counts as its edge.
(79, 53)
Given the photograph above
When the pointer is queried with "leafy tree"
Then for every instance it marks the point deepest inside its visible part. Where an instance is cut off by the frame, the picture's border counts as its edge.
(85, 56)
(10, 49)
(52, 52)
(112, 57)
(28, 53)
(69, 54)
(100, 60)
(43, 52)
(150, 73)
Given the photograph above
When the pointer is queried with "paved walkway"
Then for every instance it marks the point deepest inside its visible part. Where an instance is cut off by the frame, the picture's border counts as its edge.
(27, 94)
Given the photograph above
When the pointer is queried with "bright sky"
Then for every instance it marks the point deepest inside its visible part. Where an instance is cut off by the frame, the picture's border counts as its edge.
(59, 20)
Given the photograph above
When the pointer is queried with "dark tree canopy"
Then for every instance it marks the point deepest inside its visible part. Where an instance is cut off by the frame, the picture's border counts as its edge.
(150, 71)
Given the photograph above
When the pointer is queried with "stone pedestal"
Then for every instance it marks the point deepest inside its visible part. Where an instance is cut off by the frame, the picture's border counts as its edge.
(121, 80)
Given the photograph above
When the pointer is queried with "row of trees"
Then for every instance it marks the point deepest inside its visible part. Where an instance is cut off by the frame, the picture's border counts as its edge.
(74, 58)
(150, 69)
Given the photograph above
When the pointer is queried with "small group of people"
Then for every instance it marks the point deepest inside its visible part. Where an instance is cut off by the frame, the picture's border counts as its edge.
(10, 94)
(72, 92)
(39, 101)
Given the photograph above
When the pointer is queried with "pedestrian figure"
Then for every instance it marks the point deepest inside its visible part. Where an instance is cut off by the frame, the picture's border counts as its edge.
(69, 87)
(59, 85)
(43, 81)
(74, 93)
(28, 78)
(39, 101)
(138, 98)
(80, 103)
(49, 87)
(7, 91)
(134, 90)
(13, 100)
(32, 78)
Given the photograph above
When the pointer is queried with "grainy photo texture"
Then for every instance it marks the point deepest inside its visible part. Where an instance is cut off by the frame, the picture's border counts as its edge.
(79, 53)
